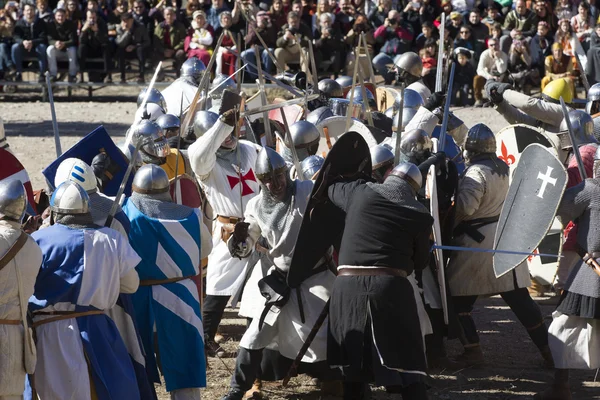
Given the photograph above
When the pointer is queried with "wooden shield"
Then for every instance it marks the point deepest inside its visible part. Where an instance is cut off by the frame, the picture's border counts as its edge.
(332, 128)
(293, 113)
(386, 97)
(185, 190)
(11, 169)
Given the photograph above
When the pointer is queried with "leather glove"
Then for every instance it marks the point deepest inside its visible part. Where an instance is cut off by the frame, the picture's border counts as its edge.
(435, 100)
(229, 117)
(495, 90)
(104, 169)
(240, 232)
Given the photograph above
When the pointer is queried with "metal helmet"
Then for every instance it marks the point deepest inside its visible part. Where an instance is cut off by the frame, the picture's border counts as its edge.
(390, 112)
(480, 139)
(344, 81)
(150, 179)
(583, 129)
(410, 173)
(330, 88)
(70, 198)
(358, 97)
(311, 165)
(407, 115)
(557, 89)
(150, 112)
(268, 164)
(154, 141)
(596, 165)
(155, 97)
(382, 160)
(304, 134)
(13, 200)
(220, 84)
(203, 121)
(193, 68)
(319, 114)
(410, 63)
(593, 100)
(78, 171)
(412, 99)
(168, 121)
(416, 146)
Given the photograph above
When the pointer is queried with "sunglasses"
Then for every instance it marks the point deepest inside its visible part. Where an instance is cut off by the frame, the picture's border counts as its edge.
(464, 32)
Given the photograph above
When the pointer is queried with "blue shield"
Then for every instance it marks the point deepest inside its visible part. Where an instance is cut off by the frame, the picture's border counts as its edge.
(452, 150)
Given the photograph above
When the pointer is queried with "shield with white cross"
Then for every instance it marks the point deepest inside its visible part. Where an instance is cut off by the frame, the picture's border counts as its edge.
(537, 187)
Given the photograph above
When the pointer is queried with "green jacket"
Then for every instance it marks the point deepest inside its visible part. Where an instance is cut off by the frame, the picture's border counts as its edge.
(177, 34)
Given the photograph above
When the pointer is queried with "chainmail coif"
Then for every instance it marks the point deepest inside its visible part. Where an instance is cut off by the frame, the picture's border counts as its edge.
(75, 221)
(274, 213)
(159, 206)
(399, 191)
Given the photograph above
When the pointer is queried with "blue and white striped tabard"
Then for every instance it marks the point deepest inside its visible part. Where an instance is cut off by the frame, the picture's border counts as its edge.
(82, 271)
(169, 249)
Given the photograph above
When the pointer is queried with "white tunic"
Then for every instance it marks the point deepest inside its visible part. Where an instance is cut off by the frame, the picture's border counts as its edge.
(228, 190)
(15, 291)
(172, 95)
(420, 88)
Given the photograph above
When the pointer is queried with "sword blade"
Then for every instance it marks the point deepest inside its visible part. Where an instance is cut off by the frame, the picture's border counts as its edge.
(477, 250)
(444, 129)
(573, 142)
(57, 145)
(282, 104)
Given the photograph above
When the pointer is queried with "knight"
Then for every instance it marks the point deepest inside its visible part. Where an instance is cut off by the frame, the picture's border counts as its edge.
(171, 239)
(179, 94)
(20, 261)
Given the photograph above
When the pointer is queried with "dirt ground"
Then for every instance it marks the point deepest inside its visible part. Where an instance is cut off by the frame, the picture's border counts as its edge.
(513, 367)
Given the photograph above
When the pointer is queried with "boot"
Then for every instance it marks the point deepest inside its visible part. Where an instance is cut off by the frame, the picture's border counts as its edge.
(233, 394)
(255, 391)
(547, 356)
(472, 356)
(555, 392)
(219, 338)
(479, 103)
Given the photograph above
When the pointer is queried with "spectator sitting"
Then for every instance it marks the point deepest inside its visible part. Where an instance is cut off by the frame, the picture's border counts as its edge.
(213, 13)
(200, 38)
(44, 12)
(225, 60)
(361, 25)
(492, 66)
(142, 16)
(132, 42)
(7, 26)
(518, 21)
(93, 42)
(62, 45)
(190, 9)
(582, 24)
(496, 31)
(519, 65)
(377, 14)
(464, 76)
(428, 11)
(345, 16)
(30, 41)
(169, 38)
(114, 18)
(12, 9)
(277, 14)
(322, 8)
(291, 41)
(479, 31)
(593, 56)
(558, 65)
(428, 58)
(492, 17)
(328, 44)
(94, 6)
(465, 39)
(304, 12)
(395, 40)
(543, 12)
(74, 14)
(426, 33)
(565, 36)
(269, 34)
(540, 47)
(564, 9)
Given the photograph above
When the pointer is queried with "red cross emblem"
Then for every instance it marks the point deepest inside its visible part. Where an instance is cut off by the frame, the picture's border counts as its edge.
(234, 180)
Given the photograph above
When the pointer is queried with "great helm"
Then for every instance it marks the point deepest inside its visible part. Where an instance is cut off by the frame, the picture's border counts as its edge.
(70, 198)
(410, 173)
(155, 97)
(311, 165)
(480, 139)
(168, 121)
(13, 200)
(330, 88)
(203, 121)
(153, 139)
(268, 164)
(593, 100)
(193, 68)
(583, 129)
(557, 89)
(410, 63)
(76, 170)
(150, 179)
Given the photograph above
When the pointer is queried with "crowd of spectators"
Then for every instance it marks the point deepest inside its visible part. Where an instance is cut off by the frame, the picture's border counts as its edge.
(526, 42)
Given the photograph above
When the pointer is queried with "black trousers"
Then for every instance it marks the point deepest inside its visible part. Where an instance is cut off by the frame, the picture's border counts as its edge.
(214, 307)
(139, 54)
(86, 51)
(247, 368)
(519, 301)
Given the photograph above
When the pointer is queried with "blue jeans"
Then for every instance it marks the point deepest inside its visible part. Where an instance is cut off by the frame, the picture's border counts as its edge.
(267, 63)
(381, 62)
(5, 61)
(39, 51)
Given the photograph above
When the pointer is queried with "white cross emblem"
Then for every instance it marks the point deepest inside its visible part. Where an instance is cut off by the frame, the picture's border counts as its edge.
(546, 179)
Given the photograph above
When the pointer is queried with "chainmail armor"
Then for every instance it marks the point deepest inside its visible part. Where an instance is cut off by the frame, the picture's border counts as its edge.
(99, 206)
(150, 159)
(274, 214)
(75, 221)
(159, 206)
(397, 190)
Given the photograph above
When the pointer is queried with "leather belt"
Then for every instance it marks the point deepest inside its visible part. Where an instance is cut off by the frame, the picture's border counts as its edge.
(471, 228)
(10, 322)
(62, 315)
(228, 220)
(371, 271)
(154, 282)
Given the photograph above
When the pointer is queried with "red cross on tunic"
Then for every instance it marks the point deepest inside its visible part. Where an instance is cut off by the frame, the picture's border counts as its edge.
(234, 180)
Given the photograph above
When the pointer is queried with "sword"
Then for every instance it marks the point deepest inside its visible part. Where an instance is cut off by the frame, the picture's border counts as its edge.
(476, 250)
(399, 126)
(289, 142)
(444, 128)
(263, 99)
(177, 192)
(440, 61)
(275, 62)
(364, 94)
(572, 138)
(225, 81)
(282, 104)
(57, 145)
